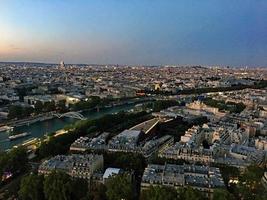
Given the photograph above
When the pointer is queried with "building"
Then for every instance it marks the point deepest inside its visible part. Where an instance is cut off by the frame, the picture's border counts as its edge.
(155, 145)
(249, 154)
(203, 178)
(85, 143)
(126, 141)
(182, 152)
(261, 143)
(109, 172)
(76, 165)
(264, 180)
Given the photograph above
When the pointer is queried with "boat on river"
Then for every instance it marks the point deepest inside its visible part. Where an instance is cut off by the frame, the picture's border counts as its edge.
(6, 128)
(17, 136)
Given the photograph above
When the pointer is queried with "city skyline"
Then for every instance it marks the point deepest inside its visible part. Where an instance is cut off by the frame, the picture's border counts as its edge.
(134, 32)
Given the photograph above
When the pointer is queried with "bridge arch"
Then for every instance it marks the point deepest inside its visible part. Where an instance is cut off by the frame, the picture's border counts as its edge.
(74, 115)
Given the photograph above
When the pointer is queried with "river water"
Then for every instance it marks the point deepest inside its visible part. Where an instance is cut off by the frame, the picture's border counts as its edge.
(39, 129)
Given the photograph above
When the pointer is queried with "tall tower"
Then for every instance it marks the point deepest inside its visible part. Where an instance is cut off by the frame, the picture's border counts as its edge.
(62, 65)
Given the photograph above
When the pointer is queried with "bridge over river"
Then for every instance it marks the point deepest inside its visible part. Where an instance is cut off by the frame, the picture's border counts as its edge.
(40, 128)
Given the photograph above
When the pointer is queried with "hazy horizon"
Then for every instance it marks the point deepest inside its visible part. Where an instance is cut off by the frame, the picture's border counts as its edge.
(188, 32)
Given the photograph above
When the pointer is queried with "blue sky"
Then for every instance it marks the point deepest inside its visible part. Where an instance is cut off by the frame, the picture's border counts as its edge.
(207, 32)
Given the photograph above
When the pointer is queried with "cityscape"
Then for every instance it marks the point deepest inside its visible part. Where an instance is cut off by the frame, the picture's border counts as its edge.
(71, 130)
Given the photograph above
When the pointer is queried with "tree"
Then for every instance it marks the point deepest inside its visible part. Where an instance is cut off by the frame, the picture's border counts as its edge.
(79, 188)
(31, 188)
(190, 194)
(250, 186)
(14, 111)
(3, 160)
(49, 106)
(38, 107)
(128, 161)
(16, 160)
(119, 187)
(97, 192)
(159, 193)
(57, 186)
(61, 106)
(222, 194)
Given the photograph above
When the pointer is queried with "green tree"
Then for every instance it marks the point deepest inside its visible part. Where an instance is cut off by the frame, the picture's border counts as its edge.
(57, 186)
(49, 106)
(97, 192)
(222, 194)
(14, 111)
(16, 160)
(3, 161)
(61, 106)
(250, 186)
(38, 107)
(119, 187)
(159, 193)
(31, 188)
(190, 194)
(60, 186)
(128, 161)
(79, 188)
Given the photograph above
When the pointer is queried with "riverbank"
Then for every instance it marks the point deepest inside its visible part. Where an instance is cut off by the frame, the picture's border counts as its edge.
(38, 129)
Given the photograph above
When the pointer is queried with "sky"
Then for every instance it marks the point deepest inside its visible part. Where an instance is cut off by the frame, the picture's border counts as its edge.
(150, 32)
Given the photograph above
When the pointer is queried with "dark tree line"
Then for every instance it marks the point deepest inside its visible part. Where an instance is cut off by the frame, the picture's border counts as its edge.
(112, 123)
(56, 186)
(13, 162)
(60, 186)
(227, 106)
(18, 111)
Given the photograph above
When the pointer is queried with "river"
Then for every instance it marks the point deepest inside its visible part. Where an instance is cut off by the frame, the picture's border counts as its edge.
(39, 129)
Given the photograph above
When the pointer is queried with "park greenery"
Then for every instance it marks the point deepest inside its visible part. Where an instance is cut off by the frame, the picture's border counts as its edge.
(55, 186)
(111, 123)
(18, 111)
(59, 185)
(93, 102)
(13, 163)
(250, 185)
(159, 105)
(120, 187)
(178, 126)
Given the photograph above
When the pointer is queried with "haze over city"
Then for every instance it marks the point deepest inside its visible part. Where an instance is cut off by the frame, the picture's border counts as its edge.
(133, 100)
(135, 32)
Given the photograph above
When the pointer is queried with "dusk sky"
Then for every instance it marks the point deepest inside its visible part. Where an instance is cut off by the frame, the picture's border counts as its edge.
(206, 32)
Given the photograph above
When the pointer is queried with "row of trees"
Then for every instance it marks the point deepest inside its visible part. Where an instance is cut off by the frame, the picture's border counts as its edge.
(13, 163)
(91, 103)
(161, 104)
(60, 186)
(119, 187)
(185, 193)
(18, 111)
(250, 185)
(111, 123)
(56, 186)
(222, 105)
